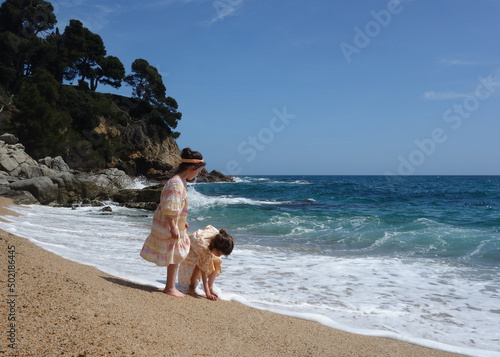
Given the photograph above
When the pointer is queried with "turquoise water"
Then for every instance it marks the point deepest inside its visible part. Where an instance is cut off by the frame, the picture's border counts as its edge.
(456, 218)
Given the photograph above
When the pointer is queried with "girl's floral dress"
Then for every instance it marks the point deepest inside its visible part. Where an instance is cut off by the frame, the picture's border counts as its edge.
(159, 247)
(199, 255)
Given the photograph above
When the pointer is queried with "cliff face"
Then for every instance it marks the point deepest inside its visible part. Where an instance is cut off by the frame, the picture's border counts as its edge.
(134, 147)
(146, 149)
(145, 153)
(150, 154)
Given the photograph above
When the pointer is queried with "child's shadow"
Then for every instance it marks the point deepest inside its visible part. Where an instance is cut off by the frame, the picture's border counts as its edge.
(130, 284)
(147, 288)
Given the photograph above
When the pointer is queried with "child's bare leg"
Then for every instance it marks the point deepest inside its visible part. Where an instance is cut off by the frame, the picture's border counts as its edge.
(170, 288)
(194, 280)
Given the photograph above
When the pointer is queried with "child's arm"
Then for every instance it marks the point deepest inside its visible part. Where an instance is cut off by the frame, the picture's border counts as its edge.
(206, 286)
(211, 280)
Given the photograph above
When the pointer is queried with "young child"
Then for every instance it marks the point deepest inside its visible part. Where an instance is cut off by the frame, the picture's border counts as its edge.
(168, 243)
(207, 245)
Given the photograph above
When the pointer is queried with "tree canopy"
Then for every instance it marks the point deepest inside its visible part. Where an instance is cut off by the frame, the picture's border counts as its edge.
(85, 56)
(148, 86)
(146, 80)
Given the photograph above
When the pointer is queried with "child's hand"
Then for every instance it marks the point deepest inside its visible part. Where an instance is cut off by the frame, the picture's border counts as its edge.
(174, 233)
(212, 297)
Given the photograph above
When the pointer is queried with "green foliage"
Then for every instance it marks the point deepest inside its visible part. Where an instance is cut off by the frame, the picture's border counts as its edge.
(22, 22)
(10, 69)
(85, 55)
(81, 152)
(55, 119)
(39, 124)
(27, 18)
(111, 72)
(87, 107)
(106, 107)
(148, 86)
(80, 106)
(147, 82)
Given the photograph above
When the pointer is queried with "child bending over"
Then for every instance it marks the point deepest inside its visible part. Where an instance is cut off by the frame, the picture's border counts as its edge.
(207, 246)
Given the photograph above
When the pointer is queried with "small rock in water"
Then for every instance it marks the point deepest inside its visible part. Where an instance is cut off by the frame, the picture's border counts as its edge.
(106, 209)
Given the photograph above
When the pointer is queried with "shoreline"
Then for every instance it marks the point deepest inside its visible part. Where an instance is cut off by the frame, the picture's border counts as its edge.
(63, 307)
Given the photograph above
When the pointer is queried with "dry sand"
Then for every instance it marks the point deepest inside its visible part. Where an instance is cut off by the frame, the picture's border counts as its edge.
(62, 308)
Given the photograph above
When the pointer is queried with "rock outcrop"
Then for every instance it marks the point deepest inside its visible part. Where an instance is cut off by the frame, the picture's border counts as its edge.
(50, 181)
(213, 176)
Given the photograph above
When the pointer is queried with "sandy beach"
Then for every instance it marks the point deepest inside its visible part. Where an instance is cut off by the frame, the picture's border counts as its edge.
(59, 307)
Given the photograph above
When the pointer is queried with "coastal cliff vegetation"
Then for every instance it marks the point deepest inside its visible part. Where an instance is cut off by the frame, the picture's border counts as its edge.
(49, 100)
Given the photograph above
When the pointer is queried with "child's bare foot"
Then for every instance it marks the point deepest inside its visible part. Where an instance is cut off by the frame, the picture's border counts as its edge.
(174, 292)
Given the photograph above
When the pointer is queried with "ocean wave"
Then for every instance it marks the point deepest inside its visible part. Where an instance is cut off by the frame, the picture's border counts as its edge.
(487, 251)
(296, 182)
(198, 200)
(249, 179)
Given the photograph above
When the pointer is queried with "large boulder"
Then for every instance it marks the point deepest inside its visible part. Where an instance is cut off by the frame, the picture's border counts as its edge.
(102, 184)
(56, 164)
(146, 198)
(14, 161)
(69, 189)
(65, 188)
(42, 188)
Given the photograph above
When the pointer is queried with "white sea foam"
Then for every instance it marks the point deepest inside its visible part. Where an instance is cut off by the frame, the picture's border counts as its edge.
(296, 182)
(302, 182)
(237, 179)
(198, 200)
(419, 301)
(141, 182)
(248, 179)
(427, 302)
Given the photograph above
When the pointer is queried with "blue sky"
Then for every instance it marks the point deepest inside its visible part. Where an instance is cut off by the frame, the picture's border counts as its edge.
(319, 86)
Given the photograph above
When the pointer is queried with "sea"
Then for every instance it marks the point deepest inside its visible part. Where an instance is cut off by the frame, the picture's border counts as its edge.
(411, 258)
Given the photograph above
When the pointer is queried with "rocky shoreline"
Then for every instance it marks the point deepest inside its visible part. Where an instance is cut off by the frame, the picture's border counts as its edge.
(50, 181)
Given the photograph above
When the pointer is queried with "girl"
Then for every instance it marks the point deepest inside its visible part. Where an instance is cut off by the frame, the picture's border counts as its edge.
(168, 243)
(207, 245)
